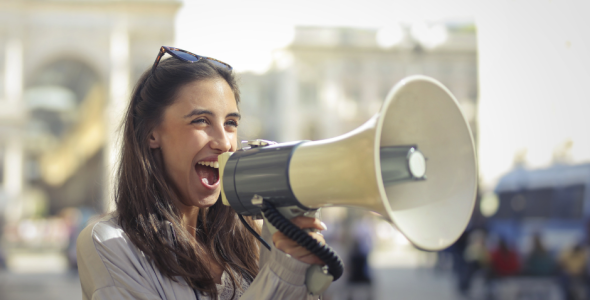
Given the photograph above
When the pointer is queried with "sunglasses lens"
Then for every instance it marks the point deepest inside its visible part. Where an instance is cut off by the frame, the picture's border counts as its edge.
(219, 65)
(189, 57)
(185, 56)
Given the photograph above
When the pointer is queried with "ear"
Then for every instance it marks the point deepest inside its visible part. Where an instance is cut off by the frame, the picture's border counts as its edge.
(154, 140)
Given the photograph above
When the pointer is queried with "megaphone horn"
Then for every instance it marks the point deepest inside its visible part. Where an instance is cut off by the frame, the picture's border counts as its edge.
(413, 163)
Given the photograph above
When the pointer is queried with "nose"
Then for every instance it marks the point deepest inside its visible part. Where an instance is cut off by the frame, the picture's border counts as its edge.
(221, 140)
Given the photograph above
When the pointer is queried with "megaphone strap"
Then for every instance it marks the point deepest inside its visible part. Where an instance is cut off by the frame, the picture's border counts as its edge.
(324, 252)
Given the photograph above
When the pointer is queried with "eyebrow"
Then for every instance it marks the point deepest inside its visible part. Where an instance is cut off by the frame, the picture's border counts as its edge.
(237, 115)
(196, 112)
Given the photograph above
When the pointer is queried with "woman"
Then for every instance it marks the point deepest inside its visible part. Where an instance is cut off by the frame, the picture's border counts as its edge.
(170, 237)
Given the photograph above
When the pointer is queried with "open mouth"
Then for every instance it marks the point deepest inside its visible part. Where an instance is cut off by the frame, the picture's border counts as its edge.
(208, 172)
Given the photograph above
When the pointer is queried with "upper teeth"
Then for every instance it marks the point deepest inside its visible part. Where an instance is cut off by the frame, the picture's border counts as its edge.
(212, 164)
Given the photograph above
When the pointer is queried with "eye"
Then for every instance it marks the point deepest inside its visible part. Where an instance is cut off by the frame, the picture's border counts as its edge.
(199, 121)
(232, 123)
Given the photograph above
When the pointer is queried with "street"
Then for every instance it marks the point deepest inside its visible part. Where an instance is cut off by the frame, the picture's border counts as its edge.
(397, 275)
(404, 274)
(47, 286)
(403, 284)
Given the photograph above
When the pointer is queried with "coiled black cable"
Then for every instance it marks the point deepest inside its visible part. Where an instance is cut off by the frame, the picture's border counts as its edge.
(324, 252)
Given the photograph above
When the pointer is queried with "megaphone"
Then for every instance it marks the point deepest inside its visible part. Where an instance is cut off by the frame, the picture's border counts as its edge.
(413, 163)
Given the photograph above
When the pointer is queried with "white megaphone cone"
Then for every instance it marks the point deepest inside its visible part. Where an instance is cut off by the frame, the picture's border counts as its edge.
(432, 210)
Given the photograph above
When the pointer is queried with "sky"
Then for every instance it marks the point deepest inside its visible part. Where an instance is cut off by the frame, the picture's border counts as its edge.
(534, 78)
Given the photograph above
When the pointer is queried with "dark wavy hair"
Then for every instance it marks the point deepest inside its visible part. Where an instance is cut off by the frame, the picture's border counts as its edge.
(144, 196)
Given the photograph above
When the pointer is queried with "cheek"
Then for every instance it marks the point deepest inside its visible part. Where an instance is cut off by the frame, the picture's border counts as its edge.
(195, 141)
(173, 161)
(234, 142)
(180, 150)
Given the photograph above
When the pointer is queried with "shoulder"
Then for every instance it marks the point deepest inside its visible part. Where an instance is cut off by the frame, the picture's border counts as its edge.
(103, 250)
(112, 267)
(100, 232)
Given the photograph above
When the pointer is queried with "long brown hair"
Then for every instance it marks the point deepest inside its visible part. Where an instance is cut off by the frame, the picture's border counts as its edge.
(143, 194)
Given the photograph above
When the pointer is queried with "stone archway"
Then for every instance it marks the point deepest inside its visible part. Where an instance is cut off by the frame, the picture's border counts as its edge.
(65, 100)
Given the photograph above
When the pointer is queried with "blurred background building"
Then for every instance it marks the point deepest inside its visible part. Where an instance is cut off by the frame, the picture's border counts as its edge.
(66, 70)
(329, 81)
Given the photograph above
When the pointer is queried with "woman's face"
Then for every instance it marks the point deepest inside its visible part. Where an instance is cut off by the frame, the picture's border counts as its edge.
(200, 124)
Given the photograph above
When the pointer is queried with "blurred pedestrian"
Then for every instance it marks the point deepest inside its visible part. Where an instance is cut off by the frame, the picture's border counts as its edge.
(170, 236)
(359, 270)
(359, 277)
(539, 262)
(2, 255)
(504, 260)
(72, 218)
(476, 258)
(572, 264)
(457, 251)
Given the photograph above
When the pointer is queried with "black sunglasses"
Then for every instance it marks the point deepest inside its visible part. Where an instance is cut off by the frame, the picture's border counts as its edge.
(187, 57)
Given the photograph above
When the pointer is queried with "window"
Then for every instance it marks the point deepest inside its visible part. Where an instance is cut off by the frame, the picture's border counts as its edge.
(568, 202)
(563, 203)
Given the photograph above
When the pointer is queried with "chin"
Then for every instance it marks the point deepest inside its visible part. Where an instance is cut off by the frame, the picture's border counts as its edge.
(206, 201)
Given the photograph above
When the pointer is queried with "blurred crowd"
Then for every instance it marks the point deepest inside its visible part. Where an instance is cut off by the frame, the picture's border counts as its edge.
(496, 260)
(44, 234)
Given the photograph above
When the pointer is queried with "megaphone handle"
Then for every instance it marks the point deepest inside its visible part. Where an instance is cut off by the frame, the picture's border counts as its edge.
(324, 252)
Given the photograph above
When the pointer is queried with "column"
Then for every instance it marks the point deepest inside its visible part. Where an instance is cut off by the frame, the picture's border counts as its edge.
(117, 103)
(13, 147)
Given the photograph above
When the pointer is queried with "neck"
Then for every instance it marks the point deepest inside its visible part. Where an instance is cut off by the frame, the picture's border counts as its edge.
(190, 216)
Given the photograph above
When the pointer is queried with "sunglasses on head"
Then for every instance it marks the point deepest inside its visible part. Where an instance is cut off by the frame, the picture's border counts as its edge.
(187, 57)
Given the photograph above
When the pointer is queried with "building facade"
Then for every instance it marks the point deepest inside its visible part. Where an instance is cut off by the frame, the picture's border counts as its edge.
(66, 72)
(331, 80)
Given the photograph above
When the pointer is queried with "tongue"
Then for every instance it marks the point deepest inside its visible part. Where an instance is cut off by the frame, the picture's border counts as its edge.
(208, 175)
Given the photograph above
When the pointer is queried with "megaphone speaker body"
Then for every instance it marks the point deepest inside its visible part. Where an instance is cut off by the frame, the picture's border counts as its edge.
(419, 115)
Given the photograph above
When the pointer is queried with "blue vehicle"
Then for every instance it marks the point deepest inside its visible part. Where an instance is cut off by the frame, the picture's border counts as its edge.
(554, 202)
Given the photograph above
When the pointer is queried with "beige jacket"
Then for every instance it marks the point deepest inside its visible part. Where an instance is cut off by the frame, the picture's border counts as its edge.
(111, 267)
